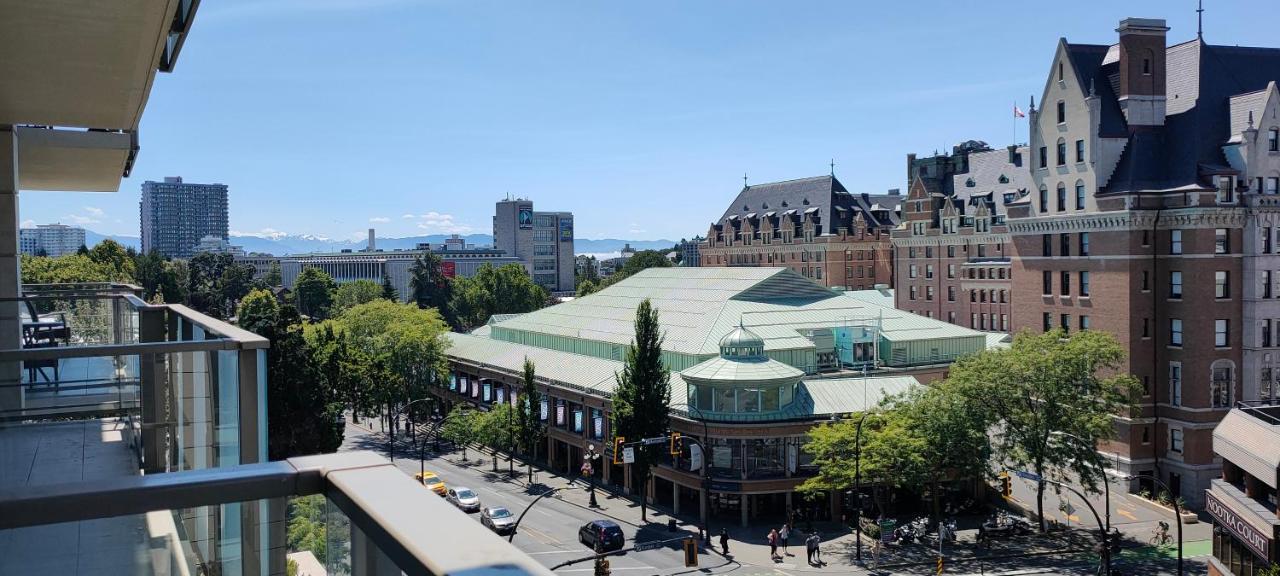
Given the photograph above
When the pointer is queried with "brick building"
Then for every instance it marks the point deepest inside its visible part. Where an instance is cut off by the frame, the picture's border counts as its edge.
(813, 226)
(952, 247)
(1153, 216)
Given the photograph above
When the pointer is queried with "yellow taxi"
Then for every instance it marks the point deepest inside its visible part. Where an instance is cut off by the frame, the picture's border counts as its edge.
(430, 480)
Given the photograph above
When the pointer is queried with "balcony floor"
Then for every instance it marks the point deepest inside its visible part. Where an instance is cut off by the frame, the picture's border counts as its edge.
(48, 453)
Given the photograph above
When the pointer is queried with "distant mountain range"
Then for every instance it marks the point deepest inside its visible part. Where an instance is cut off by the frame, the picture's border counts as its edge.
(281, 245)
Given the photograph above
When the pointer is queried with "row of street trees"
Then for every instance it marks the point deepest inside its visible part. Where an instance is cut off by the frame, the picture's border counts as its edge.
(998, 408)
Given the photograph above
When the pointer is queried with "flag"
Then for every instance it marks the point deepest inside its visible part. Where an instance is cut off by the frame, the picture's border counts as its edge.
(1018, 113)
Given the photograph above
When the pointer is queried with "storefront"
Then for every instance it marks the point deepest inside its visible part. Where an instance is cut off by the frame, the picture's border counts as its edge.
(1243, 502)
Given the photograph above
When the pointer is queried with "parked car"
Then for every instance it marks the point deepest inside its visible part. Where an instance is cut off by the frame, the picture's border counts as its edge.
(430, 480)
(464, 498)
(606, 533)
(498, 519)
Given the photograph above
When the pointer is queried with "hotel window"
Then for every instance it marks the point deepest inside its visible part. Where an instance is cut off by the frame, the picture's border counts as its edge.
(928, 293)
(1084, 283)
(1084, 322)
(951, 251)
(1175, 284)
(1146, 281)
(1221, 242)
(1048, 321)
(1079, 150)
(911, 291)
(1220, 388)
(1221, 284)
(1079, 195)
(1175, 440)
(982, 322)
(1065, 288)
(1175, 241)
(973, 320)
(1175, 332)
(1062, 197)
(1084, 243)
(951, 317)
(982, 250)
(1146, 327)
(1226, 189)
(1044, 157)
(1146, 238)
(911, 252)
(928, 251)
(1065, 322)
(1265, 384)
(1273, 140)
(1266, 333)
(982, 296)
(1048, 283)
(1175, 383)
(1046, 245)
(1062, 111)
(928, 270)
(951, 293)
(1266, 284)
(1064, 245)
(912, 271)
(973, 295)
(1265, 238)
(1003, 296)
(1004, 322)
(1220, 333)
(1062, 152)
(951, 270)
(1273, 185)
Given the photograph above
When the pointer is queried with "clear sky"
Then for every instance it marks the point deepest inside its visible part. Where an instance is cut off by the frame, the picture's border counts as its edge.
(326, 117)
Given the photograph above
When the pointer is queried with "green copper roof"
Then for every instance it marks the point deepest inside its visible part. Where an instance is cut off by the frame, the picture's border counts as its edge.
(754, 370)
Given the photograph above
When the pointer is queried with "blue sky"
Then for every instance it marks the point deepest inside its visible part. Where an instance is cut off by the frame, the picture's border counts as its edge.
(326, 117)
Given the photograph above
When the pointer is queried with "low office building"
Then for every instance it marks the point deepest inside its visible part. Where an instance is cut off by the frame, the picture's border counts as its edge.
(813, 226)
(348, 266)
(758, 356)
(1242, 502)
(51, 240)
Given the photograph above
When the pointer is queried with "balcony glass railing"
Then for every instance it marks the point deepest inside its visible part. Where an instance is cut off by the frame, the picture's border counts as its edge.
(361, 514)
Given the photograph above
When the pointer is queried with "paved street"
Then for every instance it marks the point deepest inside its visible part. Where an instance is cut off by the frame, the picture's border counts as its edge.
(549, 532)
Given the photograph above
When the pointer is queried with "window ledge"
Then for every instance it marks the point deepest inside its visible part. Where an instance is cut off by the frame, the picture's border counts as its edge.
(1222, 348)
(1174, 299)
(1173, 347)
(1085, 297)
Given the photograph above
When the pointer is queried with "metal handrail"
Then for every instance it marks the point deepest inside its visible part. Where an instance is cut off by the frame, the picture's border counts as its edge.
(384, 503)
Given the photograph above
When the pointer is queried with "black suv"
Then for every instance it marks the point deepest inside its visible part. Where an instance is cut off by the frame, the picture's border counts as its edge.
(602, 535)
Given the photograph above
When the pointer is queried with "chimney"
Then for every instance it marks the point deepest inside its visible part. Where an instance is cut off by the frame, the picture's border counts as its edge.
(1142, 70)
(372, 243)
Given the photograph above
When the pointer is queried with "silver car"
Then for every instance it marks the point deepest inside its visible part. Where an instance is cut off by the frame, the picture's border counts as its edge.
(464, 498)
(498, 519)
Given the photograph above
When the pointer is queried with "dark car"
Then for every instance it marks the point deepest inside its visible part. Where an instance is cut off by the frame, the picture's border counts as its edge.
(604, 535)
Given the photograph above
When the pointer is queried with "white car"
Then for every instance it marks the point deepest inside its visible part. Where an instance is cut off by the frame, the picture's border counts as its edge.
(464, 498)
(498, 519)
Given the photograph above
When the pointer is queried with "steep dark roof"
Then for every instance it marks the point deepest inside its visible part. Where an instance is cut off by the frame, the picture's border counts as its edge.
(1172, 156)
(825, 193)
(1091, 71)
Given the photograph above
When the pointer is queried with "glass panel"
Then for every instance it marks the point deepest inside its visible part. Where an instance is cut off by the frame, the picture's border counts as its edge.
(770, 398)
(724, 400)
(704, 397)
(749, 400)
(228, 402)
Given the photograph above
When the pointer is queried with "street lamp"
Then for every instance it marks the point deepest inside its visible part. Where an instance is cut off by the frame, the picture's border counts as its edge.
(588, 469)
(391, 434)
(1177, 511)
(703, 445)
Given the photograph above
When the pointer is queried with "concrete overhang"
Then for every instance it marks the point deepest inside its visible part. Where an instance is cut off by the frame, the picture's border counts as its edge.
(86, 63)
(72, 160)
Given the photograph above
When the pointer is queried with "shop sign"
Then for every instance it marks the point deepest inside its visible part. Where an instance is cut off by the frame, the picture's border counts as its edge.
(1245, 532)
(725, 486)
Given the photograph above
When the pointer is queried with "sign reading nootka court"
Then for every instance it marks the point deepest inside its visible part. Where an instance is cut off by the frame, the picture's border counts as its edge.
(1257, 540)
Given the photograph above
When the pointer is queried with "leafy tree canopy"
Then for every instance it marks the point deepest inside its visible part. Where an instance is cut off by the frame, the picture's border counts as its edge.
(355, 293)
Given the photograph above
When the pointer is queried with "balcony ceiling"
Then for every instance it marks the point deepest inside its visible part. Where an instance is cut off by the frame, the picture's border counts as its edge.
(80, 63)
(71, 160)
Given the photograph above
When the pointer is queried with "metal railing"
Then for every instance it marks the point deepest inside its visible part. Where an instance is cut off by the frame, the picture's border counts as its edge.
(384, 522)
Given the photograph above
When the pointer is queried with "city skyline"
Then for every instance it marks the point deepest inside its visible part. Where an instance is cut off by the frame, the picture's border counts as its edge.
(411, 156)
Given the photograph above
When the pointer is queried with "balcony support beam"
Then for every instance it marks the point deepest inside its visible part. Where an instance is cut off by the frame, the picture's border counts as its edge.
(11, 397)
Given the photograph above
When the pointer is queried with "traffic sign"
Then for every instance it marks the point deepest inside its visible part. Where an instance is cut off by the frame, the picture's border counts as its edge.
(642, 546)
(628, 455)
(655, 440)
(1032, 476)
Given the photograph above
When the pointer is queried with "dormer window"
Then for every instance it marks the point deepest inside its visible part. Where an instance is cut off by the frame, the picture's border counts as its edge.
(806, 201)
(1004, 179)
(1059, 71)
(1226, 189)
(764, 205)
(969, 183)
(745, 208)
(1062, 112)
(784, 203)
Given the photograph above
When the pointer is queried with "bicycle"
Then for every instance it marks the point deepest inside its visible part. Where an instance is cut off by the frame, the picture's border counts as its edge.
(1161, 536)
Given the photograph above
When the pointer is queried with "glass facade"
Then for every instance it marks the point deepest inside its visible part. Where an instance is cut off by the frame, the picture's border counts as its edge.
(740, 400)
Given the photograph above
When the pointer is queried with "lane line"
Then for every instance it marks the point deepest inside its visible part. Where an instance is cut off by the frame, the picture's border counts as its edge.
(545, 552)
(611, 569)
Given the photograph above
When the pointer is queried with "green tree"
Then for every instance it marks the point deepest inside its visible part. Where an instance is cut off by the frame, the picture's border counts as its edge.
(68, 269)
(954, 432)
(306, 530)
(175, 282)
(388, 291)
(1044, 386)
(112, 254)
(258, 311)
(495, 429)
(507, 289)
(313, 292)
(273, 278)
(643, 396)
(530, 431)
(587, 287)
(355, 293)
(430, 286)
(302, 417)
(460, 427)
(644, 260)
(150, 271)
(235, 283)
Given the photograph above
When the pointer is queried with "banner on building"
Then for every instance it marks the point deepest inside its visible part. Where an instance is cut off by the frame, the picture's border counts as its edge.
(566, 229)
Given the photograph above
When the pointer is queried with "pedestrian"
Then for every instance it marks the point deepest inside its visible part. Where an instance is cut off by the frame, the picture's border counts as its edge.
(817, 547)
(773, 543)
(784, 533)
(724, 541)
(808, 549)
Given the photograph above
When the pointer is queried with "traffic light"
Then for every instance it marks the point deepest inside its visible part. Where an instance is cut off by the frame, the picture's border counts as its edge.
(676, 445)
(1006, 485)
(690, 552)
(602, 567)
(617, 449)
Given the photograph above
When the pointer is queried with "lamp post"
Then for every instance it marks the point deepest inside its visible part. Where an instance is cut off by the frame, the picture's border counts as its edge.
(391, 435)
(703, 445)
(857, 482)
(1177, 511)
(588, 469)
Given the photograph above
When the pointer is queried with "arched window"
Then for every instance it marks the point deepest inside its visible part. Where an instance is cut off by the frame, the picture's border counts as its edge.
(1062, 197)
(1044, 198)
(1079, 194)
(1223, 374)
(1062, 151)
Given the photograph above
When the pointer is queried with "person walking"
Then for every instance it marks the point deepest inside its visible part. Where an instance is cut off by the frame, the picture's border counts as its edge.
(808, 549)
(784, 533)
(773, 544)
(724, 541)
(817, 548)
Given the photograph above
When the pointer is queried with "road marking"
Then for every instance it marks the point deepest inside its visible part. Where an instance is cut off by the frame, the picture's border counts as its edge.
(551, 552)
(1126, 514)
(611, 569)
(539, 535)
